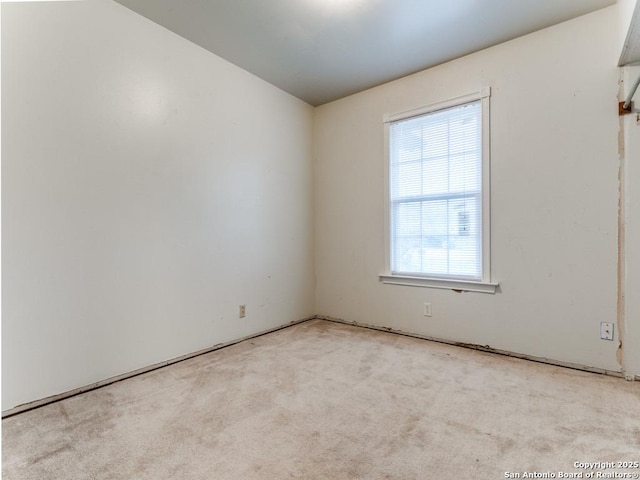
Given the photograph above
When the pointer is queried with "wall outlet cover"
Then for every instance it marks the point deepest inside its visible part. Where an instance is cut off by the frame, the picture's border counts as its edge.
(606, 331)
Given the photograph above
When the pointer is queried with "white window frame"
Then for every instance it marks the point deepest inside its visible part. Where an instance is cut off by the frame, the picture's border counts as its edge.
(485, 285)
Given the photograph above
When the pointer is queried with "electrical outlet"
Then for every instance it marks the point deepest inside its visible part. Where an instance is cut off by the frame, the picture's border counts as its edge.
(426, 310)
(606, 331)
(243, 311)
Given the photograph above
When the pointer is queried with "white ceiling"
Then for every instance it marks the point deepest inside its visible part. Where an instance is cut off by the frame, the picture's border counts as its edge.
(322, 50)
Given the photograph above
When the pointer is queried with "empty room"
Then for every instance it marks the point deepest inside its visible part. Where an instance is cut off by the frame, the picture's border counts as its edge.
(320, 239)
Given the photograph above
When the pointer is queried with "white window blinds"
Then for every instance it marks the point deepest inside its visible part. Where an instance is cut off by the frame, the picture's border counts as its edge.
(435, 185)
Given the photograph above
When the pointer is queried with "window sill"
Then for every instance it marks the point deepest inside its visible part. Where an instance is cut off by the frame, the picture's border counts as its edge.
(456, 285)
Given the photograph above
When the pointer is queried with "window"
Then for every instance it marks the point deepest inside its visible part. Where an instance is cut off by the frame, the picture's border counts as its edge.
(438, 195)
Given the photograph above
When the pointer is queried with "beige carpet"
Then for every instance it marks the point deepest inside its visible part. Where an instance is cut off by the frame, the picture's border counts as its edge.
(322, 400)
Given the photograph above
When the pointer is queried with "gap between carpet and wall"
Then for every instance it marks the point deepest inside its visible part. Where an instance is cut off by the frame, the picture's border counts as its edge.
(484, 348)
(108, 381)
(487, 348)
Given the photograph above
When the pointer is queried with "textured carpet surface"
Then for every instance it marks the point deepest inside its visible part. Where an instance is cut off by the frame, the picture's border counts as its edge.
(321, 400)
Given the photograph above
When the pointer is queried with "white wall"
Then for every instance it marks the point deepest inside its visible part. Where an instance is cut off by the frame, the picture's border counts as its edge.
(631, 155)
(148, 189)
(137, 216)
(625, 14)
(554, 195)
